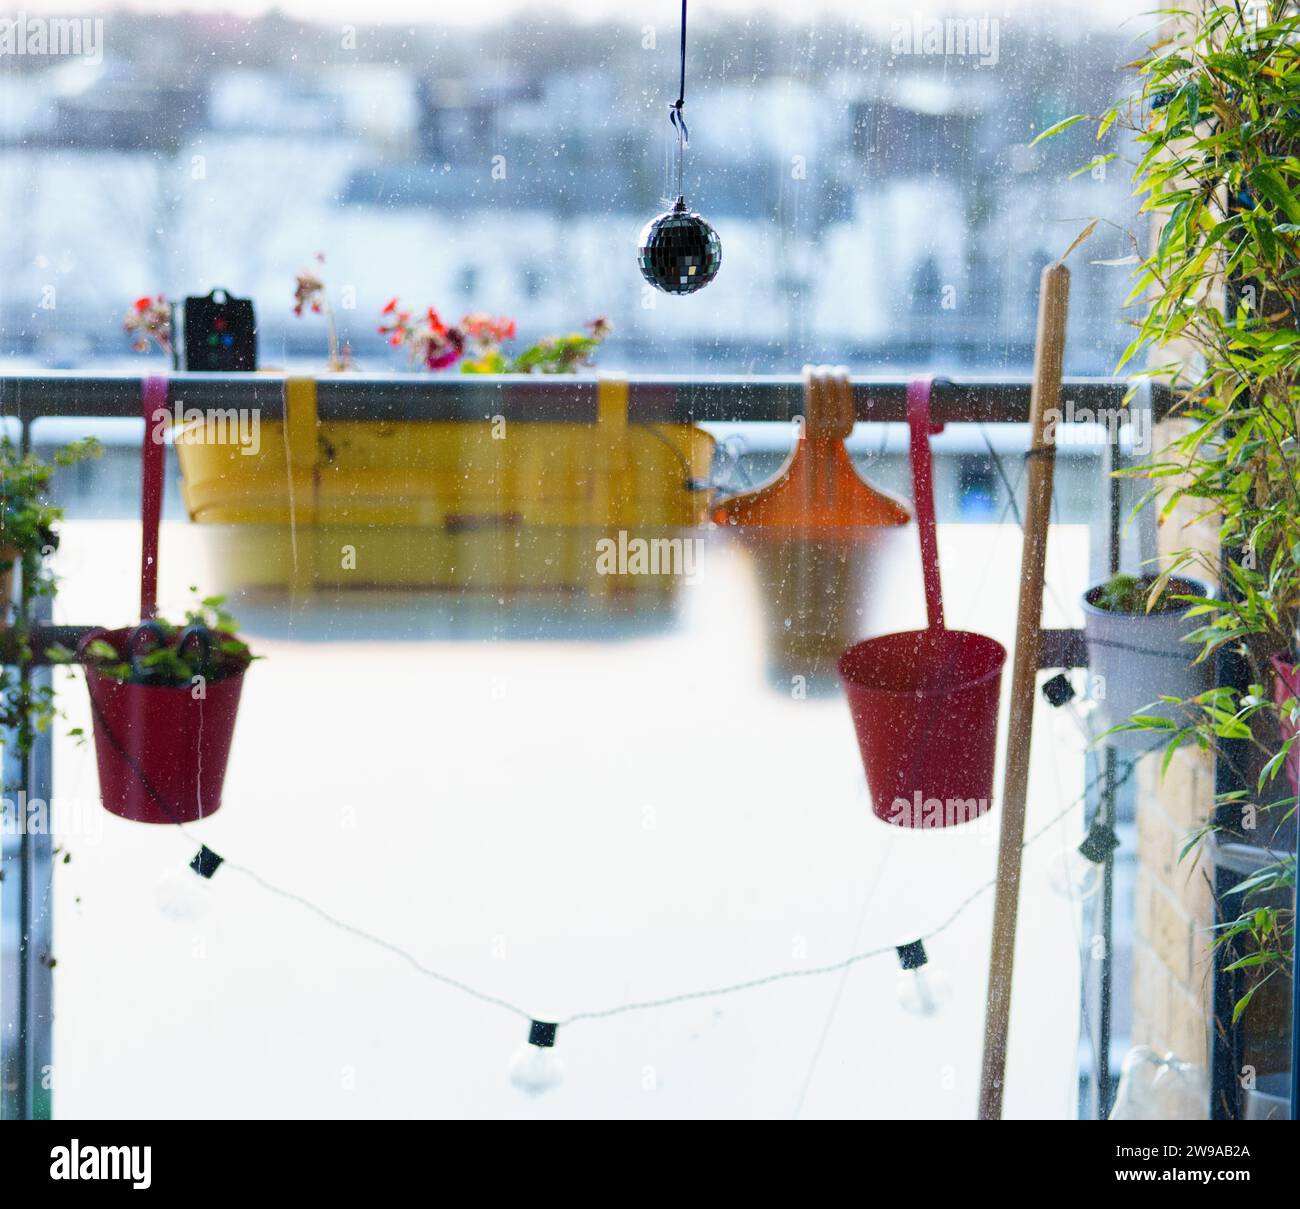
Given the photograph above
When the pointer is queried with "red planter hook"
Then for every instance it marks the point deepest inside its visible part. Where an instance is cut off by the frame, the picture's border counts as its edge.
(922, 428)
(153, 468)
(162, 750)
(925, 702)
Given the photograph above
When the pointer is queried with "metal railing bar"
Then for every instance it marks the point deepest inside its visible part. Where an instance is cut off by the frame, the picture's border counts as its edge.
(652, 398)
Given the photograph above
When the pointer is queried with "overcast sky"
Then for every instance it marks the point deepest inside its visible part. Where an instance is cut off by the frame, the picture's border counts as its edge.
(478, 12)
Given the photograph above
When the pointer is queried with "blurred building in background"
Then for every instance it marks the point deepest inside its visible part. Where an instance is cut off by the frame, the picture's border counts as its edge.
(885, 210)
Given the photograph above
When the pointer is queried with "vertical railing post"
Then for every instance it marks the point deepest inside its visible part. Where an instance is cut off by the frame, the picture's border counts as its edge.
(1114, 511)
(14, 1084)
(39, 900)
(26, 900)
(1107, 989)
(1295, 988)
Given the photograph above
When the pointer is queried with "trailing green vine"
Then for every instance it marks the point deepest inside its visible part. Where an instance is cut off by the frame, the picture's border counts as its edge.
(27, 541)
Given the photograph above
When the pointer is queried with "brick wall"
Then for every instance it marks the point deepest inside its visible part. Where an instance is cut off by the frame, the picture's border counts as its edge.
(1171, 961)
(1171, 966)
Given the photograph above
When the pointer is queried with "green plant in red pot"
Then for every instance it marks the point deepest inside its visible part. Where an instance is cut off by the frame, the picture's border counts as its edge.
(164, 700)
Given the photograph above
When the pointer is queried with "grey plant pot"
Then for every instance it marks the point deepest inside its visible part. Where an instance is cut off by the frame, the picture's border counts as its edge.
(1134, 659)
(1269, 1099)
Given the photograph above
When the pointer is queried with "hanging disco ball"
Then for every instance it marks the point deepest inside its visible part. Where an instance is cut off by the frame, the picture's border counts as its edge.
(679, 252)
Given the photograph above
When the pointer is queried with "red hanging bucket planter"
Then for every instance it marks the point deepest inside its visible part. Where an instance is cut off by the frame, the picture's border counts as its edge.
(925, 702)
(163, 724)
(1286, 684)
(162, 750)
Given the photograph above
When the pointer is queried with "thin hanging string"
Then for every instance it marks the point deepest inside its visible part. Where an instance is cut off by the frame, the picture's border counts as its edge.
(334, 921)
(675, 115)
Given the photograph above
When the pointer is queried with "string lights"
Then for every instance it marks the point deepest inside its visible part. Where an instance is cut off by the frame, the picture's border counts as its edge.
(535, 1068)
(184, 894)
(1077, 872)
(922, 990)
(1058, 690)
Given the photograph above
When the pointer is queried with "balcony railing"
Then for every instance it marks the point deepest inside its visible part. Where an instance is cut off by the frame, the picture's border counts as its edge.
(652, 399)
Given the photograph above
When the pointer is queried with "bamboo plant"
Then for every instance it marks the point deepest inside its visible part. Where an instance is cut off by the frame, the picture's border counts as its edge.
(1214, 118)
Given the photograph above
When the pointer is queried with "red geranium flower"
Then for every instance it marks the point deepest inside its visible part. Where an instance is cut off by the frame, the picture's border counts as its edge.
(487, 331)
(446, 347)
(149, 319)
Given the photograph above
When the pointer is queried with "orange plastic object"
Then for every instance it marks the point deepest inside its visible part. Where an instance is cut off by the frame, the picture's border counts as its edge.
(818, 488)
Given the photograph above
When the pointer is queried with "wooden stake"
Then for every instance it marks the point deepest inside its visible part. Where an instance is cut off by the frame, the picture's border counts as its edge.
(1054, 292)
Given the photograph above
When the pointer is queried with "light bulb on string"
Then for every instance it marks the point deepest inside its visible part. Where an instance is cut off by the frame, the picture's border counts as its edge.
(922, 990)
(184, 894)
(1072, 876)
(1076, 872)
(534, 1068)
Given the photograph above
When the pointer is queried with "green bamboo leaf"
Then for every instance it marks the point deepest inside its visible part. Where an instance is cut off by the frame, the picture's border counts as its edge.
(1270, 770)
(1275, 189)
(1253, 959)
(1242, 1004)
(1064, 124)
(1091, 164)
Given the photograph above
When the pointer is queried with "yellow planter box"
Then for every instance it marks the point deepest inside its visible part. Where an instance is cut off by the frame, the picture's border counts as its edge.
(441, 504)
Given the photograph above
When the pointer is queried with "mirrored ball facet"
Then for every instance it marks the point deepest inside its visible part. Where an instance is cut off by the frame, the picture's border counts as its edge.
(679, 252)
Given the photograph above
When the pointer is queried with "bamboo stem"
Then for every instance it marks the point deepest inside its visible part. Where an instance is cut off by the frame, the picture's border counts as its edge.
(1045, 405)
